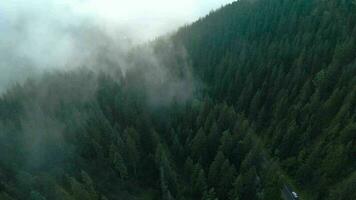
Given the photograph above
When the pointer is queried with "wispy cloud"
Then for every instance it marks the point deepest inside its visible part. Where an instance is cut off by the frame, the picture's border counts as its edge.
(62, 34)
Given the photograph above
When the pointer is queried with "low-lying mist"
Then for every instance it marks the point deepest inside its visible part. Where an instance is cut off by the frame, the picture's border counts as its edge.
(41, 36)
(50, 35)
(56, 64)
(54, 54)
(60, 54)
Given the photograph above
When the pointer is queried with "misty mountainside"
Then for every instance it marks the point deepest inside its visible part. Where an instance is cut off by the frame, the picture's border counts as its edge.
(254, 97)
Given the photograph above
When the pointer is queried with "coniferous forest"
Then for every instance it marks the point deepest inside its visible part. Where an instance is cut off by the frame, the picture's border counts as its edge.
(260, 95)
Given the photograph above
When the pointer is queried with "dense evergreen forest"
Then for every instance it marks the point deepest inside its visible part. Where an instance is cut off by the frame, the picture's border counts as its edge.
(259, 94)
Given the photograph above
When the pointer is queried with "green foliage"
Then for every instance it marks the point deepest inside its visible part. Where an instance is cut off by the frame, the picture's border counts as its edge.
(210, 195)
(36, 196)
(245, 186)
(279, 95)
(288, 66)
(345, 189)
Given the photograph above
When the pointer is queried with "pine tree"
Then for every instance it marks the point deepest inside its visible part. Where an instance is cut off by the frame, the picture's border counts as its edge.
(199, 146)
(199, 182)
(215, 168)
(118, 162)
(245, 185)
(132, 154)
(226, 143)
(226, 179)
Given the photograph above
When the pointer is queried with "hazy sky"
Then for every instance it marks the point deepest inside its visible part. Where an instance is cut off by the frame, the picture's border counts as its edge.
(143, 18)
(62, 34)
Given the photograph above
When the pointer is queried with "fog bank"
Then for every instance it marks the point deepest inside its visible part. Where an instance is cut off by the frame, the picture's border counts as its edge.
(43, 35)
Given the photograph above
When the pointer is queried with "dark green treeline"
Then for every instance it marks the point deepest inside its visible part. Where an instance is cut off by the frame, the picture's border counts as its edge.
(276, 92)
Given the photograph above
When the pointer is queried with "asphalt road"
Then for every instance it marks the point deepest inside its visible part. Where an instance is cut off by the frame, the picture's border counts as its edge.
(287, 193)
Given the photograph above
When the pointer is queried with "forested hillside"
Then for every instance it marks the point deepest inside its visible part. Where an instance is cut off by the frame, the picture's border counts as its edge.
(288, 66)
(256, 95)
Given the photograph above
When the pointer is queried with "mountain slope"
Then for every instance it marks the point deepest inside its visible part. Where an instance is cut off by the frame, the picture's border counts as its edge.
(290, 67)
(274, 92)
